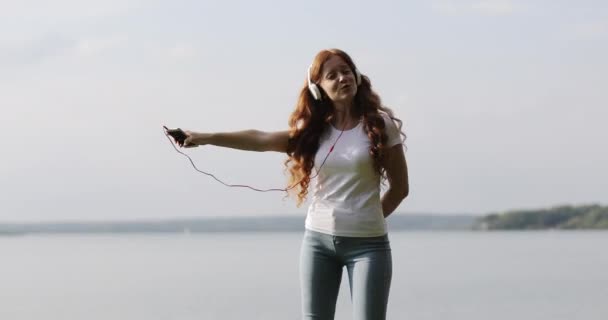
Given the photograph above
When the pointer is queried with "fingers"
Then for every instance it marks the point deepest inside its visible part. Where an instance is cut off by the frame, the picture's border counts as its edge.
(187, 145)
(179, 142)
(188, 141)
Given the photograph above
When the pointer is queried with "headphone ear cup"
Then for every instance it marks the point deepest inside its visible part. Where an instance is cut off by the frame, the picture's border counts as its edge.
(357, 76)
(314, 90)
(312, 87)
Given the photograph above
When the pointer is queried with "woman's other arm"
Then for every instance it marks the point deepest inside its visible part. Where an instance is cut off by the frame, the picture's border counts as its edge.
(396, 172)
(250, 140)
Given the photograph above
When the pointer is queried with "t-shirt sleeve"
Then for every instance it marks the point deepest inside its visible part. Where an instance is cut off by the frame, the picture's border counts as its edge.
(392, 132)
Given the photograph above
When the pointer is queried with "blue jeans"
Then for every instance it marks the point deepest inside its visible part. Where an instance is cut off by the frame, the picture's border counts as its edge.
(369, 265)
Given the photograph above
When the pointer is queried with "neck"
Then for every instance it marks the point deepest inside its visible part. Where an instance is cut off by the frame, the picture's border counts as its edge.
(343, 116)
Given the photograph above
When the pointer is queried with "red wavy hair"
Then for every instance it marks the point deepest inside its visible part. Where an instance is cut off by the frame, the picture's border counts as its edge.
(311, 118)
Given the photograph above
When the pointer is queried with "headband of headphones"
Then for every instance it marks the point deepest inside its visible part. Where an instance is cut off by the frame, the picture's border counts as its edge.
(316, 92)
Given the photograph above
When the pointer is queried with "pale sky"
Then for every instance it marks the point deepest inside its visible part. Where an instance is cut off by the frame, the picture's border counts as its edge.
(504, 102)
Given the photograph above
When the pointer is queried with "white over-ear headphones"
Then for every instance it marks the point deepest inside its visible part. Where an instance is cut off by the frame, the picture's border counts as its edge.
(316, 92)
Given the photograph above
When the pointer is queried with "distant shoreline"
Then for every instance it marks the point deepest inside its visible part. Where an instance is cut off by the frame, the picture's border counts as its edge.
(229, 224)
(587, 217)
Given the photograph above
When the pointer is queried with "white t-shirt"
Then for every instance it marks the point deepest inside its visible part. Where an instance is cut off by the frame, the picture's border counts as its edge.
(346, 197)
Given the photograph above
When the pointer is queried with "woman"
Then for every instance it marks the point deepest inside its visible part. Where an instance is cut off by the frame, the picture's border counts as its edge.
(340, 131)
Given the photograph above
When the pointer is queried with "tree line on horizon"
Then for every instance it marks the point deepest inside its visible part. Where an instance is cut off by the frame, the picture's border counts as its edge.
(560, 217)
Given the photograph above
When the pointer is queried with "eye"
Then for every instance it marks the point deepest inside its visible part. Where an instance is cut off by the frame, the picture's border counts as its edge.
(330, 75)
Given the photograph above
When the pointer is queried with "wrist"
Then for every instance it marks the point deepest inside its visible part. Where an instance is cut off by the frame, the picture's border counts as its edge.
(201, 138)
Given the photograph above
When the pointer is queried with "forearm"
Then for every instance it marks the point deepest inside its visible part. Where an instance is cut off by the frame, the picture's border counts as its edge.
(391, 200)
(250, 140)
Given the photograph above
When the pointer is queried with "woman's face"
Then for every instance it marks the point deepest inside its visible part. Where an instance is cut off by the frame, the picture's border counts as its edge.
(338, 80)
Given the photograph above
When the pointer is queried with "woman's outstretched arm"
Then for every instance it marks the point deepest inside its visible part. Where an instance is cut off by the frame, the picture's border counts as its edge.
(250, 140)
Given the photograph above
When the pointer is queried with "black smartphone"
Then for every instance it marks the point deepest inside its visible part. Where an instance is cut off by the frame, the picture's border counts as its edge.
(177, 134)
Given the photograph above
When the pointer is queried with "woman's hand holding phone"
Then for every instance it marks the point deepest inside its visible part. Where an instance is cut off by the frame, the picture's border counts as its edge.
(181, 137)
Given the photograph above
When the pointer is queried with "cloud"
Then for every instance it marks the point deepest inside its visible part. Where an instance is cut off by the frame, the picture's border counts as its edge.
(445, 7)
(479, 7)
(34, 50)
(493, 7)
(182, 51)
(36, 30)
(61, 10)
(590, 30)
(93, 46)
(39, 49)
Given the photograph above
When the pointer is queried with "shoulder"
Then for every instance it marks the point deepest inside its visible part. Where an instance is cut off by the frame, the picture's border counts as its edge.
(389, 122)
(391, 129)
(385, 116)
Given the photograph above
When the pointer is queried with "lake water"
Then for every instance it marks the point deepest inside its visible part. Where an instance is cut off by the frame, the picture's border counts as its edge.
(436, 275)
